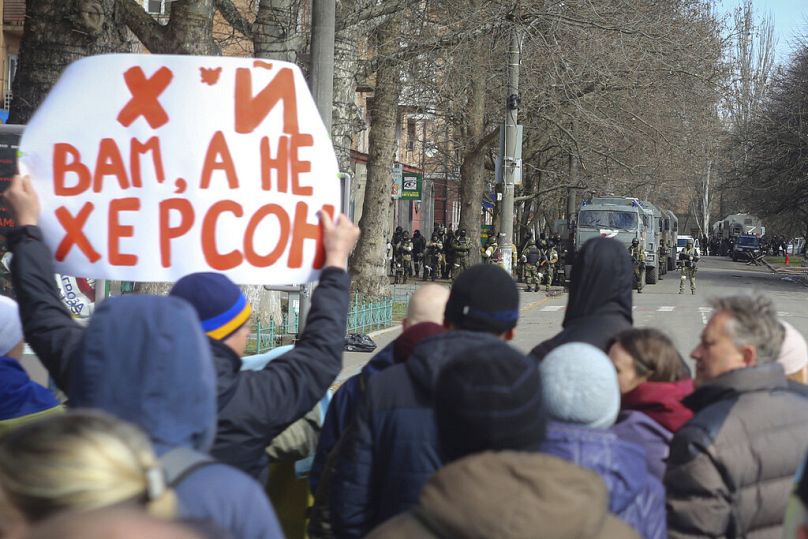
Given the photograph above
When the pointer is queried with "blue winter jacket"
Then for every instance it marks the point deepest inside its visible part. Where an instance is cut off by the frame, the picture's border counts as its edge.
(19, 395)
(391, 449)
(342, 410)
(635, 495)
(143, 359)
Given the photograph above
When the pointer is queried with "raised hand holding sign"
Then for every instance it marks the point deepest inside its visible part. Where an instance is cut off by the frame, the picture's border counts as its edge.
(151, 167)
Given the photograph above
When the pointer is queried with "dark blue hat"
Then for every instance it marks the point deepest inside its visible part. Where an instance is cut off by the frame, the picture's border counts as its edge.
(483, 298)
(220, 304)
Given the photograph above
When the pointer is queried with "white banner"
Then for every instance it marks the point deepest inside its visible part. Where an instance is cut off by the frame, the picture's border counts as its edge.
(152, 167)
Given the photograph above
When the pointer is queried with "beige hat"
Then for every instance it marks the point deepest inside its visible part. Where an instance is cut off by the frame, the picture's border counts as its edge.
(794, 352)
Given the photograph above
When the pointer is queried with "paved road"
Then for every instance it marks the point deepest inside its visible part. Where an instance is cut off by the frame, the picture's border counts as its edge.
(660, 306)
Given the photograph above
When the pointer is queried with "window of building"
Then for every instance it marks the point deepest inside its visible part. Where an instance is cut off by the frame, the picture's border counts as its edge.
(155, 7)
(411, 135)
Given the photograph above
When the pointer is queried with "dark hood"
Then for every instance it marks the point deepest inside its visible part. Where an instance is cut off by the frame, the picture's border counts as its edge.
(602, 278)
(145, 359)
(620, 464)
(431, 354)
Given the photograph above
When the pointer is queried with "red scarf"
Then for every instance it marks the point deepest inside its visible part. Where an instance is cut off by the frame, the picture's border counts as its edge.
(662, 402)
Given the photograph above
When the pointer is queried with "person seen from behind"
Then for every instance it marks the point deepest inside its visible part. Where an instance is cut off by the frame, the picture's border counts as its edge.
(599, 304)
(142, 359)
(80, 461)
(794, 357)
(730, 468)
(391, 450)
(424, 314)
(491, 424)
(582, 400)
(21, 399)
(653, 380)
(256, 406)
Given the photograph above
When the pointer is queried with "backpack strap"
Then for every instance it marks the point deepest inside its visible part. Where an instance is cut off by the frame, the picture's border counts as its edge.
(180, 462)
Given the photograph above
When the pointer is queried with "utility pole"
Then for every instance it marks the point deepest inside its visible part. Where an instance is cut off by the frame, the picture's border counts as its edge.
(321, 82)
(511, 140)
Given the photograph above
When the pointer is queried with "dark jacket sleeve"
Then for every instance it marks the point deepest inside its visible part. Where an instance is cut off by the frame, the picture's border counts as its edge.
(48, 327)
(698, 500)
(352, 491)
(337, 418)
(292, 384)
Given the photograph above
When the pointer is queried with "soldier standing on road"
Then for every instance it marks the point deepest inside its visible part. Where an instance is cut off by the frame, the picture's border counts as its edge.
(552, 261)
(638, 259)
(662, 257)
(418, 248)
(404, 253)
(435, 259)
(448, 251)
(461, 249)
(532, 257)
(687, 267)
(395, 241)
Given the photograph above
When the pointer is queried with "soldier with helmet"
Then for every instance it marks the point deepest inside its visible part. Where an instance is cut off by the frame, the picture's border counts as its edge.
(435, 260)
(552, 262)
(638, 260)
(687, 267)
(532, 258)
(460, 249)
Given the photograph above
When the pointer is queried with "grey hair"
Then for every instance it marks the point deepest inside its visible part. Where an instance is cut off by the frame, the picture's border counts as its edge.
(753, 322)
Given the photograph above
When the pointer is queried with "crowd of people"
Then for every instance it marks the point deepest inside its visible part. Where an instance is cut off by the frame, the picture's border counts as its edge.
(601, 431)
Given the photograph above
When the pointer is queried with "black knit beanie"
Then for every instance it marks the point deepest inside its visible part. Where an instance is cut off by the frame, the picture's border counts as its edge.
(483, 298)
(489, 400)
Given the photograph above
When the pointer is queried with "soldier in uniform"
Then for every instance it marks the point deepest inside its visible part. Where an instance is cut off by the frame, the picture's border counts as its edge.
(552, 261)
(460, 249)
(638, 259)
(405, 254)
(448, 252)
(662, 257)
(395, 241)
(532, 258)
(687, 267)
(490, 250)
(435, 260)
(418, 248)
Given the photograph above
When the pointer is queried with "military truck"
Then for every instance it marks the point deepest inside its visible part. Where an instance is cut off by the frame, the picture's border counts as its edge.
(620, 218)
(653, 235)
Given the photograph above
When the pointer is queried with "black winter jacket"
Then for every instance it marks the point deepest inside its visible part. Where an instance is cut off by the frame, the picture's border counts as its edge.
(256, 406)
(253, 406)
(391, 449)
(599, 305)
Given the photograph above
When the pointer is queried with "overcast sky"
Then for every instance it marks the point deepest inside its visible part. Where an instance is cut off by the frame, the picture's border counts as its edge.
(790, 20)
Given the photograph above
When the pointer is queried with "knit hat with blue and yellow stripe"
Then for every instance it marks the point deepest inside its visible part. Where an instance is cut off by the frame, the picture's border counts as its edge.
(220, 304)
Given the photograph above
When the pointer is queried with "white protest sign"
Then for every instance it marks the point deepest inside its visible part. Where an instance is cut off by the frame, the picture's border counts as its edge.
(152, 167)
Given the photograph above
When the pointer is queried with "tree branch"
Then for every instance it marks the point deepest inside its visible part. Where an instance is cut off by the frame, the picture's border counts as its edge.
(147, 30)
(234, 18)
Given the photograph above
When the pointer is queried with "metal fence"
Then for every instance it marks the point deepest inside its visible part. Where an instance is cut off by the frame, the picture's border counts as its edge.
(363, 317)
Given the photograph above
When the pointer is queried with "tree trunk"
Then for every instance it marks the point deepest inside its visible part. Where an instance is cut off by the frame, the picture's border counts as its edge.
(56, 33)
(472, 171)
(368, 265)
(275, 34)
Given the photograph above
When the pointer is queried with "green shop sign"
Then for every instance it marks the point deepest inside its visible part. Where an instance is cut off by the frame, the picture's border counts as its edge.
(411, 186)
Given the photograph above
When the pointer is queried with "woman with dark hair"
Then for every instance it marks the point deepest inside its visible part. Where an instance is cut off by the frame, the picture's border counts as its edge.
(653, 380)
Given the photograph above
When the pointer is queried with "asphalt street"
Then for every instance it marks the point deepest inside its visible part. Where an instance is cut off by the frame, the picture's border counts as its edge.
(661, 306)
